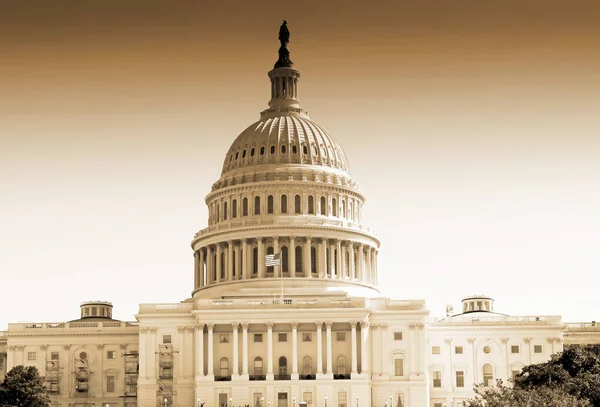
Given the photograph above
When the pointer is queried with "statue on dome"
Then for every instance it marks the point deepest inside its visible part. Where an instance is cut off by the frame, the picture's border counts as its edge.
(284, 53)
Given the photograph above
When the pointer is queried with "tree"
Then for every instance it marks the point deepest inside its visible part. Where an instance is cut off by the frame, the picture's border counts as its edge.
(504, 396)
(22, 387)
(575, 371)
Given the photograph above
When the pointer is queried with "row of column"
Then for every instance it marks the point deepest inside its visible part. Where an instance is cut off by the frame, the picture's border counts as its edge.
(364, 330)
(335, 259)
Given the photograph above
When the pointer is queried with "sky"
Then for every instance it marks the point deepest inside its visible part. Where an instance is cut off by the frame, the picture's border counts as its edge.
(471, 127)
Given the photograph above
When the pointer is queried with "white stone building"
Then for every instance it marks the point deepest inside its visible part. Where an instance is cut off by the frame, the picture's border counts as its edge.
(312, 329)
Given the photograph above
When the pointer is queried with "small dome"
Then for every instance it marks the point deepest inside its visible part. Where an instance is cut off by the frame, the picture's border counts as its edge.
(290, 138)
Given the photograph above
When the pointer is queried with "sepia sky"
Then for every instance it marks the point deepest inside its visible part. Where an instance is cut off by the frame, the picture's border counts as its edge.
(472, 127)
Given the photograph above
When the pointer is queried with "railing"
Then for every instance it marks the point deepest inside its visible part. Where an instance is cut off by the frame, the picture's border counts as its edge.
(66, 325)
(258, 377)
(288, 302)
(583, 326)
(308, 377)
(283, 377)
(341, 376)
(166, 376)
(222, 378)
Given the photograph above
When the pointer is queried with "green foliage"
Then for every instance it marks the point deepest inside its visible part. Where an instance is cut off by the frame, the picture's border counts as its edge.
(22, 387)
(503, 396)
(575, 371)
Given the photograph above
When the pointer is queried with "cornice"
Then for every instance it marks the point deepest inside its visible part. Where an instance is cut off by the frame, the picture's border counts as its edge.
(467, 328)
(274, 226)
(21, 335)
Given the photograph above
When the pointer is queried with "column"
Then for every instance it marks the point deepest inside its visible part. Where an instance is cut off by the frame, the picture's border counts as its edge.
(235, 344)
(329, 355)
(292, 257)
(276, 269)
(201, 265)
(196, 269)
(209, 265)
(331, 260)
(230, 260)
(475, 369)
(270, 350)
(307, 258)
(238, 259)
(210, 370)
(367, 274)
(340, 268)
(219, 265)
(321, 259)
(261, 258)
(319, 348)
(361, 263)
(294, 348)
(508, 372)
(351, 266)
(151, 368)
(143, 351)
(245, 348)
(354, 355)
(200, 350)
(244, 259)
(365, 347)
(375, 273)
(180, 357)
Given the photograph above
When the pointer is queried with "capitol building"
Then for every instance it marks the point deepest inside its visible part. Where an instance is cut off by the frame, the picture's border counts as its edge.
(312, 329)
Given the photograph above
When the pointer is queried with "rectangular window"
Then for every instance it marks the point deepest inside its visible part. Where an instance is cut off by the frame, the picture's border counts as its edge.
(437, 378)
(306, 337)
(111, 354)
(537, 349)
(340, 336)
(514, 373)
(399, 367)
(514, 349)
(110, 384)
(458, 350)
(397, 336)
(31, 356)
(437, 404)
(224, 338)
(166, 339)
(307, 398)
(94, 311)
(257, 399)
(257, 337)
(460, 379)
(282, 337)
(435, 350)
(342, 399)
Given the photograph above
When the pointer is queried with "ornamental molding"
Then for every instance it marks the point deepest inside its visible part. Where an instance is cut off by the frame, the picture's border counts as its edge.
(235, 326)
(245, 326)
(353, 324)
(328, 325)
(364, 324)
(294, 325)
(527, 340)
(56, 334)
(319, 325)
(210, 326)
(269, 324)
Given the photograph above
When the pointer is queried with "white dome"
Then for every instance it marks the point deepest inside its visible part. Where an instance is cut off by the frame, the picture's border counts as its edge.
(286, 138)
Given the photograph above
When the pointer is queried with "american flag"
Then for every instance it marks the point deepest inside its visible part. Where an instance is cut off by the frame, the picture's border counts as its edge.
(272, 260)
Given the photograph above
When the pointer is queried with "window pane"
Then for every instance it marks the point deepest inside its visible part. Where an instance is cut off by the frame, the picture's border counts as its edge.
(399, 367)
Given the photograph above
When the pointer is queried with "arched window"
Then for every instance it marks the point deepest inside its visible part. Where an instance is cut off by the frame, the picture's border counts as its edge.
(224, 367)
(214, 266)
(313, 260)
(252, 152)
(222, 271)
(323, 206)
(307, 365)
(334, 207)
(262, 151)
(283, 366)
(351, 214)
(488, 375)
(245, 207)
(257, 205)
(255, 261)
(282, 149)
(258, 365)
(218, 214)
(336, 264)
(297, 204)
(284, 208)
(294, 150)
(343, 208)
(272, 149)
(234, 209)
(327, 262)
(299, 269)
(270, 268)
(225, 210)
(284, 260)
(341, 365)
(311, 205)
(270, 204)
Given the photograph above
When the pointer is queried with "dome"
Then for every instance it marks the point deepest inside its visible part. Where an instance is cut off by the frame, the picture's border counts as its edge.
(288, 137)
